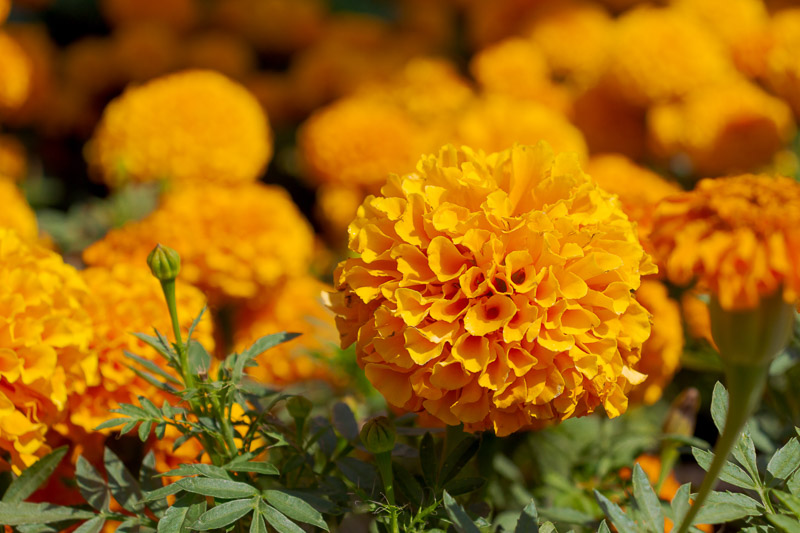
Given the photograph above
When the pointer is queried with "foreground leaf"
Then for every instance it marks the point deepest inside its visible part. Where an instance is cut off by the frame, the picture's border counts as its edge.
(33, 476)
(223, 515)
(20, 513)
(461, 521)
(123, 485)
(647, 501)
(218, 488)
(295, 508)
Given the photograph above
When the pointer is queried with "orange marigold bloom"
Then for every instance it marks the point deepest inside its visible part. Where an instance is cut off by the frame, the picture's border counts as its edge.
(736, 127)
(659, 54)
(234, 242)
(192, 127)
(295, 307)
(16, 214)
(126, 299)
(697, 317)
(661, 353)
(495, 290)
(15, 73)
(782, 68)
(44, 337)
(638, 188)
(739, 237)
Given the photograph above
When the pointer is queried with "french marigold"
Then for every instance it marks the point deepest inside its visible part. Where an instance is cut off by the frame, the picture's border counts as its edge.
(15, 73)
(495, 290)
(295, 307)
(738, 237)
(736, 127)
(191, 127)
(782, 69)
(658, 54)
(16, 213)
(661, 353)
(126, 299)
(44, 337)
(638, 188)
(234, 242)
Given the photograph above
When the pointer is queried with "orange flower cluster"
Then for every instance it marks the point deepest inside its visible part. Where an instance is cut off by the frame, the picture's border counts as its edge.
(495, 291)
(738, 237)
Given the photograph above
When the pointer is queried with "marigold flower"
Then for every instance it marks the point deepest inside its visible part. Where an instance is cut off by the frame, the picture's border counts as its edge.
(15, 73)
(736, 127)
(495, 122)
(16, 214)
(782, 69)
(192, 127)
(638, 188)
(495, 290)
(659, 54)
(661, 353)
(295, 307)
(13, 159)
(126, 299)
(44, 337)
(233, 241)
(696, 316)
(737, 237)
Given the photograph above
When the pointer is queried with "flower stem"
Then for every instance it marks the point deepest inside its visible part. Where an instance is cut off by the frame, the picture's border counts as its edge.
(384, 461)
(745, 385)
(168, 286)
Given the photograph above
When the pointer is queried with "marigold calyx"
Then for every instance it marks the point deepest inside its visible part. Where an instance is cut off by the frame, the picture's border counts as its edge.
(299, 406)
(164, 263)
(378, 435)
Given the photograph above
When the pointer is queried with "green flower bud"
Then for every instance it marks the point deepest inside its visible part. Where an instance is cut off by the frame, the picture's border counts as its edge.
(299, 406)
(378, 435)
(164, 263)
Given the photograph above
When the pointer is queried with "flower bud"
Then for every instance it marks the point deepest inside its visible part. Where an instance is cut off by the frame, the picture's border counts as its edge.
(378, 435)
(164, 263)
(299, 406)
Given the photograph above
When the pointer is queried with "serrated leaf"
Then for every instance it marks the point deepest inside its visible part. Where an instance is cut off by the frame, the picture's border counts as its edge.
(722, 507)
(91, 484)
(161, 493)
(112, 423)
(32, 477)
(277, 520)
(603, 527)
(157, 344)
(130, 525)
(461, 521)
(20, 513)
(783, 523)
(123, 485)
(212, 471)
(745, 452)
(408, 485)
(218, 488)
(458, 457)
(144, 430)
(153, 380)
(257, 348)
(94, 525)
(463, 485)
(647, 501)
(617, 517)
(223, 514)
(730, 473)
(177, 517)
(680, 503)
(785, 461)
(791, 502)
(199, 358)
(528, 520)
(152, 367)
(127, 428)
(344, 421)
(260, 467)
(182, 471)
(195, 323)
(295, 508)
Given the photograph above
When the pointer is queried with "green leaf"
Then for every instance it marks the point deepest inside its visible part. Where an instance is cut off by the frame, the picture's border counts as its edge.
(528, 520)
(157, 344)
(260, 467)
(112, 423)
(95, 525)
(680, 503)
(647, 501)
(745, 453)
(20, 513)
(258, 525)
(123, 485)
(786, 460)
(199, 358)
(408, 485)
(151, 484)
(719, 406)
(33, 476)
(458, 457)
(195, 323)
(428, 459)
(92, 485)
(603, 527)
(295, 508)
(184, 512)
(223, 514)
(783, 523)
(161, 493)
(361, 474)
(344, 421)
(211, 471)
(463, 485)
(617, 517)
(144, 430)
(277, 520)
(791, 502)
(152, 367)
(256, 349)
(723, 507)
(730, 473)
(218, 488)
(566, 514)
(461, 521)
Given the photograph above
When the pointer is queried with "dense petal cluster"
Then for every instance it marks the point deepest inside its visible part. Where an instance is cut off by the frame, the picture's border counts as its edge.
(495, 290)
(296, 307)
(234, 242)
(16, 213)
(44, 339)
(127, 299)
(192, 127)
(738, 237)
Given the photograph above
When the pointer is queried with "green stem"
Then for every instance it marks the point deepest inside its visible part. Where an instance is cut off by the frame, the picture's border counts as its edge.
(168, 287)
(384, 461)
(745, 385)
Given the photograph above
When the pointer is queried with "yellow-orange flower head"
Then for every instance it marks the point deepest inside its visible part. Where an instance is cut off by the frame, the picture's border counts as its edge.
(738, 237)
(495, 290)
(16, 213)
(234, 242)
(15, 73)
(44, 337)
(296, 307)
(192, 127)
(126, 299)
(782, 69)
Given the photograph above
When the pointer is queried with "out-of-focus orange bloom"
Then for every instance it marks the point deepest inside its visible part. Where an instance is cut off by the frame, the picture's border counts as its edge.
(13, 160)
(735, 127)
(15, 73)
(610, 124)
(738, 237)
(145, 50)
(177, 14)
(782, 68)
(220, 51)
(16, 214)
(90, 65)
(490, 22)
(5, 8)
(41, 53)
(697, 317)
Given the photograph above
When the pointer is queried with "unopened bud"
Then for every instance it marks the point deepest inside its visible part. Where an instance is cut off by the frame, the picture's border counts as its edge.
(164, 263)
(378, 435)
(299, 406)
(682, 415)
